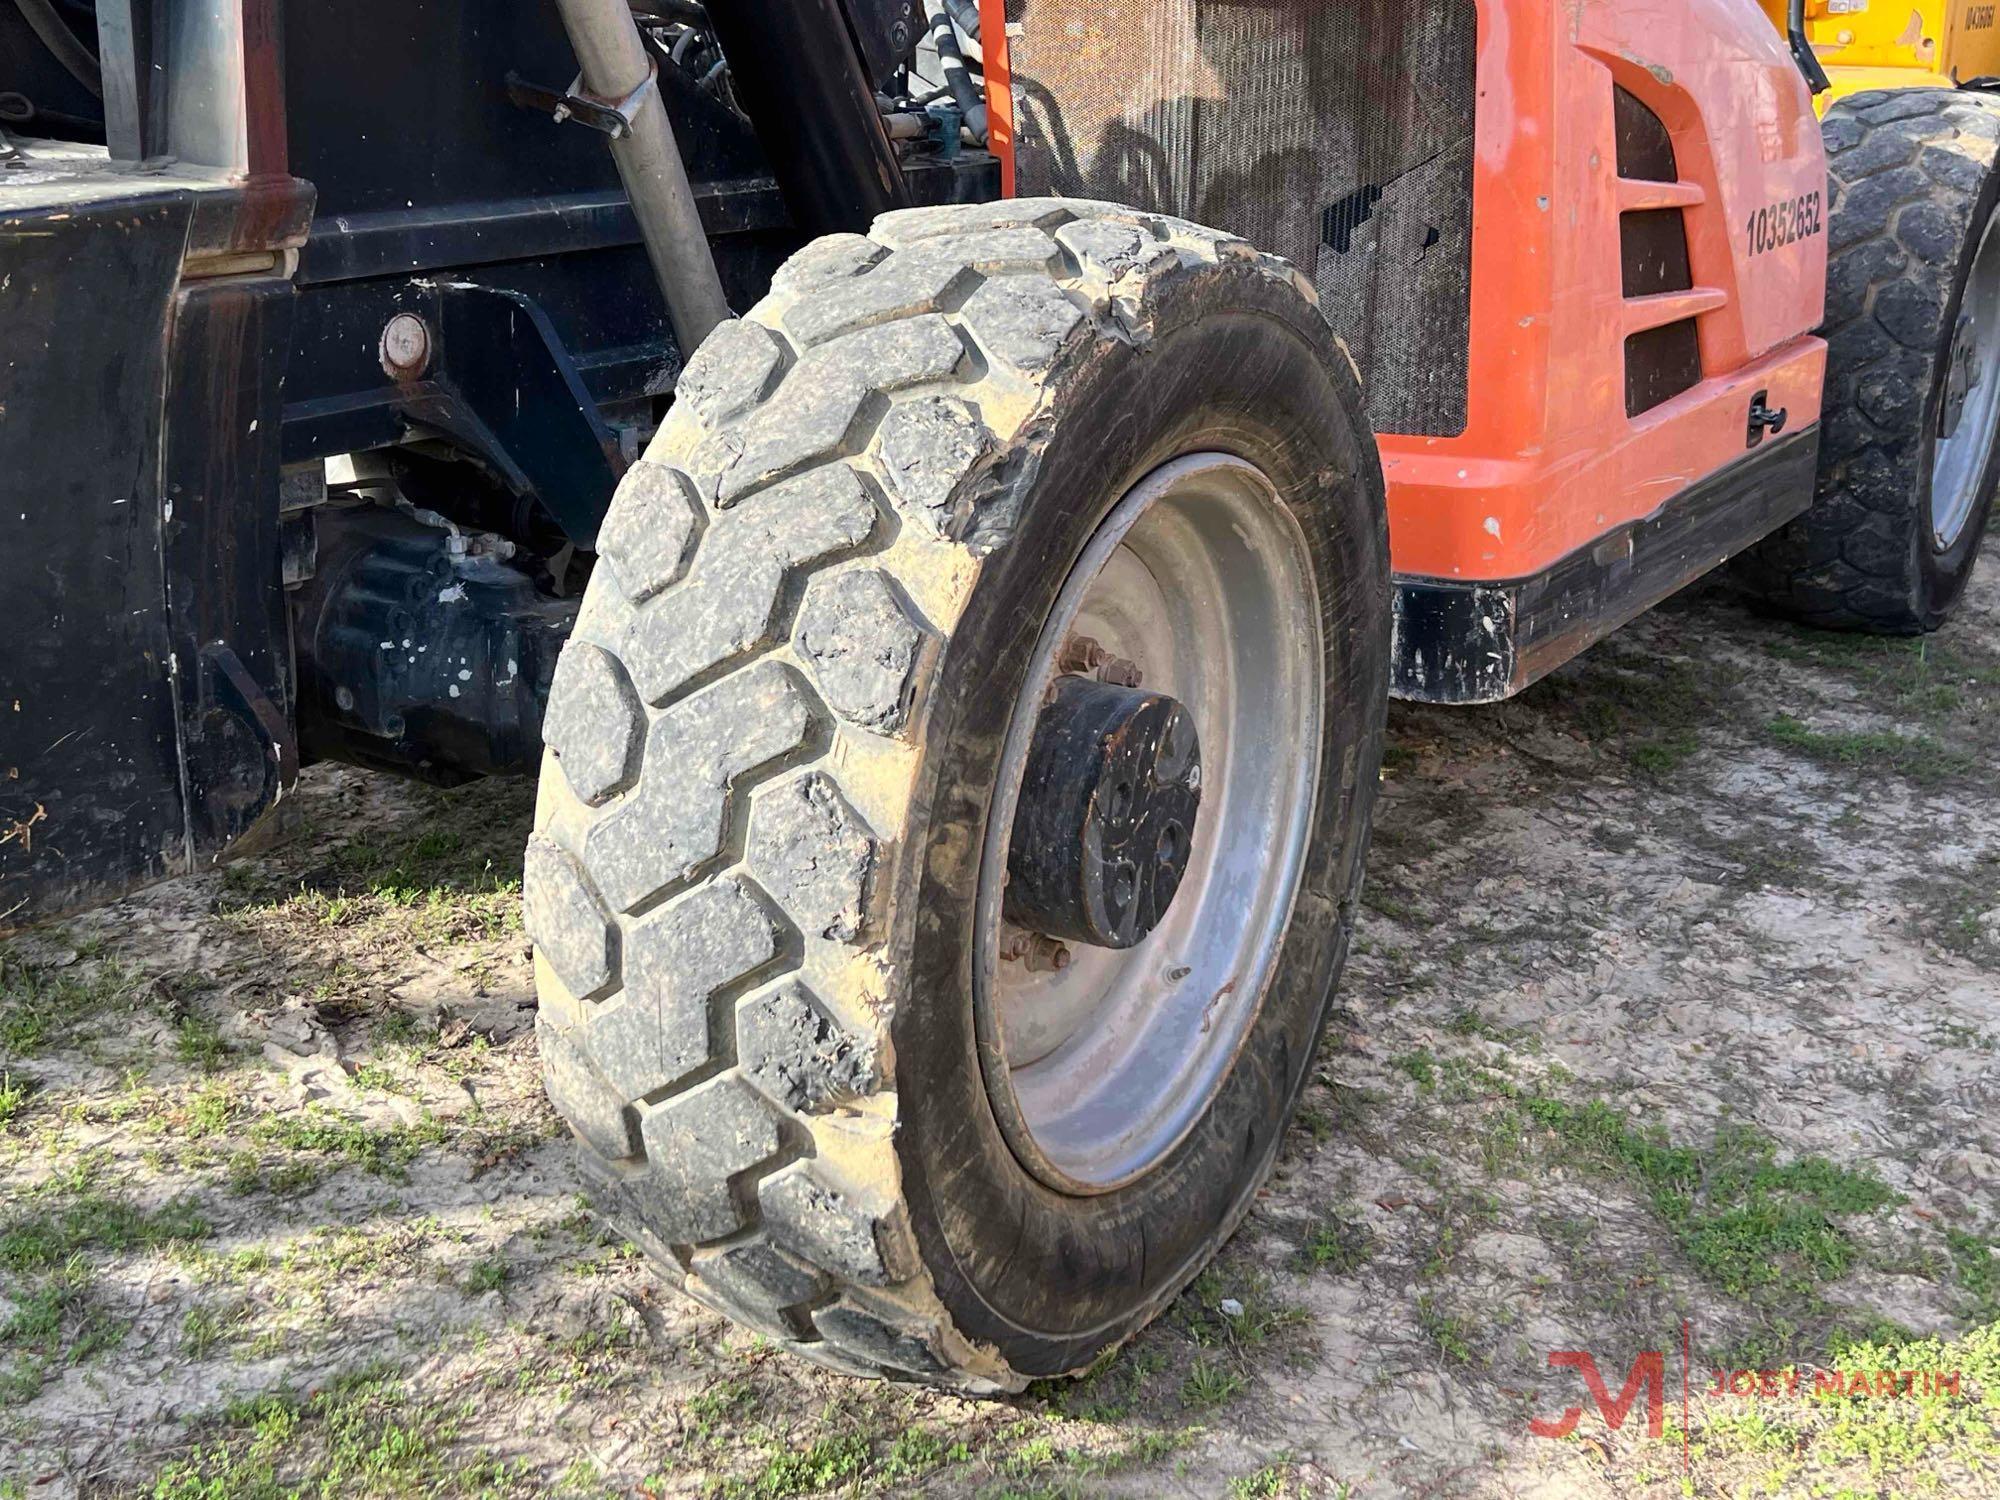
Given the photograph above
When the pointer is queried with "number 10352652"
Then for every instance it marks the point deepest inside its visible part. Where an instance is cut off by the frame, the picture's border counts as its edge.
(1784, 222)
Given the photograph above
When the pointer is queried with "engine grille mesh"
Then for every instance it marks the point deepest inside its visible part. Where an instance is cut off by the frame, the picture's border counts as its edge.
(1338, 136)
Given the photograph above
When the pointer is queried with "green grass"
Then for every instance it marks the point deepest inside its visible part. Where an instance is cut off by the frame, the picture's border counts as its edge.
(1451, 1333)
(204, 1328)
(1418, 1066)
(1907, 1432)
(1377, 897)
(58, 1320)
(918, 1451)
(1210, 1383)
(485, 1276)
(1663, 753)
(1337, 1245)
(828, 1464)
(1315, 1122)
(1110, 1390)
(13, 1098)
(1978, 1271)
(248, 1173)
(198, 1043)
(364, 1433)
(1459, 1214)
(384, 1152)
(1917, 757)
(211, 1110)
(1649, 709)
(1260, 1316)
(1467, 1021)
(1272, 1482)
(1848, 1447)
(1949, 908)
(40, 1006)
(1758, 855)
(1399, 757)
(455, 876)
(1919, 676)
(716, 1411)
(96, 1221)
(380, 1078)
(406, 867)
(1743, 1218)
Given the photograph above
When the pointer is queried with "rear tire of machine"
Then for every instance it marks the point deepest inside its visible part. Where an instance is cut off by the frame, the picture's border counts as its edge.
(1913, 183)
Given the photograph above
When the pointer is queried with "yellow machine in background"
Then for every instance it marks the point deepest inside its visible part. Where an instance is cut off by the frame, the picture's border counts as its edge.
(1890, 44)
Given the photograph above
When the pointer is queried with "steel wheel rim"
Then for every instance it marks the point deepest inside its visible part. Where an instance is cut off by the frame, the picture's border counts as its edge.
(1960, 458)
(1202, 577)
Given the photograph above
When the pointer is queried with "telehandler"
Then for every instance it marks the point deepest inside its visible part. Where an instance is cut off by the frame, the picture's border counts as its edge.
(942, 492)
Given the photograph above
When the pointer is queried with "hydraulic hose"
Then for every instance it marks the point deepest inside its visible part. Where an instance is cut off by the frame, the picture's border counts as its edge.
(1802, 52)
(964, 92)
(966, 14)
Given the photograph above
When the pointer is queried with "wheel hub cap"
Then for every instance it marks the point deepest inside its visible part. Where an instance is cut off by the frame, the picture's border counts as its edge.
(1107, 815)
(1161, 762)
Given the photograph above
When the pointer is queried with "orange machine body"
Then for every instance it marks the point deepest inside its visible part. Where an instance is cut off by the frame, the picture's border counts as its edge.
(1566, 505)
(1549, 459)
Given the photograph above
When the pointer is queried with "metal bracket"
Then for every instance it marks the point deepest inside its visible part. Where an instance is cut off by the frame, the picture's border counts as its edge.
(613, 118)
(504, 386)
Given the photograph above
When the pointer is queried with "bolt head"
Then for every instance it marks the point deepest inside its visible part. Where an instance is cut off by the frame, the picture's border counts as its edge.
(406, 346)
(1045, 955)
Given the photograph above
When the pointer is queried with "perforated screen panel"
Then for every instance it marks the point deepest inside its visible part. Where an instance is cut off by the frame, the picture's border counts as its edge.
(1337, 135)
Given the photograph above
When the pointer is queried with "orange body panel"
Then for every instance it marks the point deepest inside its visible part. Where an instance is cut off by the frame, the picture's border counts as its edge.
(999, 89)
(1548, 460)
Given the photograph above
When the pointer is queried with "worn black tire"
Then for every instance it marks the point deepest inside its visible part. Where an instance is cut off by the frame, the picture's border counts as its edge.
(1912, 185)
(772, 738)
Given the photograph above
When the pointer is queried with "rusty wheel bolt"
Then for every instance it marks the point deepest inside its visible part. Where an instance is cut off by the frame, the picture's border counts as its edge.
(1119, 672)
(1080, 653)
(1046, 955)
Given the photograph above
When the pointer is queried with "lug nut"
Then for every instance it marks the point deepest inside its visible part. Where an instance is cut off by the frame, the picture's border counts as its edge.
(1080, 653)
(1037, 952)
(1084, 656)
(1119, 672)
(1046, 955)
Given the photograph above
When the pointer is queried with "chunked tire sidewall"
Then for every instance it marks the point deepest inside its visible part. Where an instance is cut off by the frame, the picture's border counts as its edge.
(1241, 366)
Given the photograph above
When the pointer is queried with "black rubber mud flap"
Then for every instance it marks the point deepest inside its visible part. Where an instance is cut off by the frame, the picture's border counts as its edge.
(145, 697)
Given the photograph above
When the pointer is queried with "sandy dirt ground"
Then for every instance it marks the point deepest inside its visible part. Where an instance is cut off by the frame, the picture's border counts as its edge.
(1673, 1025)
